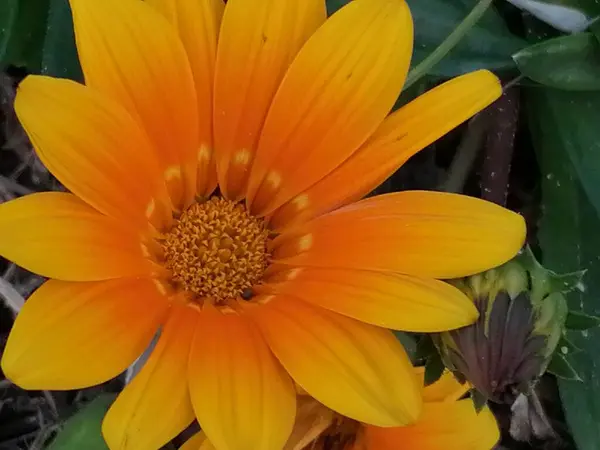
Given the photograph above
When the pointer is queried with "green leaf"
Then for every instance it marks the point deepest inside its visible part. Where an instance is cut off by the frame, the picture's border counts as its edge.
(566, 282)
(425, 347)
(560, 367)
(8, 15)
(566, 62)
(434, 368)
(489, 44)
(334, 5)
(38, 35)
(24, 33)
(409, 343)
(592, 9)
(571, 119)
(595, 29)
(580, 321)
(566, 348)
(83, 430)
(412, 92)
(564, 127)
(59, 58)
(589, 7)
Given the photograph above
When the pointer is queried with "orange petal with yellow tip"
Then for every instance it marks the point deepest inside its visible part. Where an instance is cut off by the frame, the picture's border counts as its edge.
(197, 23)
(131, 53)
(356, 369)
(56, 235)
(426, 234)
(404, 133)
(92, 145)
(137, 419)
(258, 41)
(388, 300)
(75, 335)
(336, 93)
(197, 442)
(242, 397)
(442, 426)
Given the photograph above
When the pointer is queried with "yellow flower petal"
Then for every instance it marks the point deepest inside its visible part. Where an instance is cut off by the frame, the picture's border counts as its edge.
(91, 145)
(258, 41)
(242, 397)
(442, 426)
(156, 406)
(336, 93)
(445, 389)
(404, 133)
(75, 335)
(56, 235)
(198, 24)
(358, 370)
(426, 234)
(131, 53)
(387, 300)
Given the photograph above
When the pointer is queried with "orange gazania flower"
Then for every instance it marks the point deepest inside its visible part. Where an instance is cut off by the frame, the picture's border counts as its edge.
(446, 422)
(283, 275)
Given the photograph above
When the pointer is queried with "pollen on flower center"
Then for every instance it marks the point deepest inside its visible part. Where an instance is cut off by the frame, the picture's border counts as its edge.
(216, 250)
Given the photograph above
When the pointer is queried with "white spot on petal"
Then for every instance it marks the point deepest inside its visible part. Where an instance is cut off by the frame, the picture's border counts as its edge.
(150, 208)
(204, 153)
(301, 202)
(173, 172)
(241, 157)
(305, 242)
(274, 179)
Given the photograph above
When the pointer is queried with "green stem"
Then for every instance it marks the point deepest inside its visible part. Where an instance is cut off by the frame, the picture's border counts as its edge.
(466, 154)
(449, 43)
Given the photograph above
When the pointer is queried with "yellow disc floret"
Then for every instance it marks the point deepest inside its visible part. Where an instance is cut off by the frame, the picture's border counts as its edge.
(216, 250)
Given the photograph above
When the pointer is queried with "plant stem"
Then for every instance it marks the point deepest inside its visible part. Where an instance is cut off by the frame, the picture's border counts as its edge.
(449, 43)
(463, 161)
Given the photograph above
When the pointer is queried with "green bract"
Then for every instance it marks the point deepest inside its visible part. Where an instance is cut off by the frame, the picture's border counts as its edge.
(524, 314)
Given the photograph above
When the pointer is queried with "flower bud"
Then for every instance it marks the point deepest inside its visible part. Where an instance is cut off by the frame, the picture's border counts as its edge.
(523, 312)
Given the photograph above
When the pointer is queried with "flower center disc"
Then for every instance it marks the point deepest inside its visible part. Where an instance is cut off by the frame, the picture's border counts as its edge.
(217, 250)
(341, 435)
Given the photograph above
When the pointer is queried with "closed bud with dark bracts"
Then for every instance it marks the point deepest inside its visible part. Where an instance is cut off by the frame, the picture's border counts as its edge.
(523, 312)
